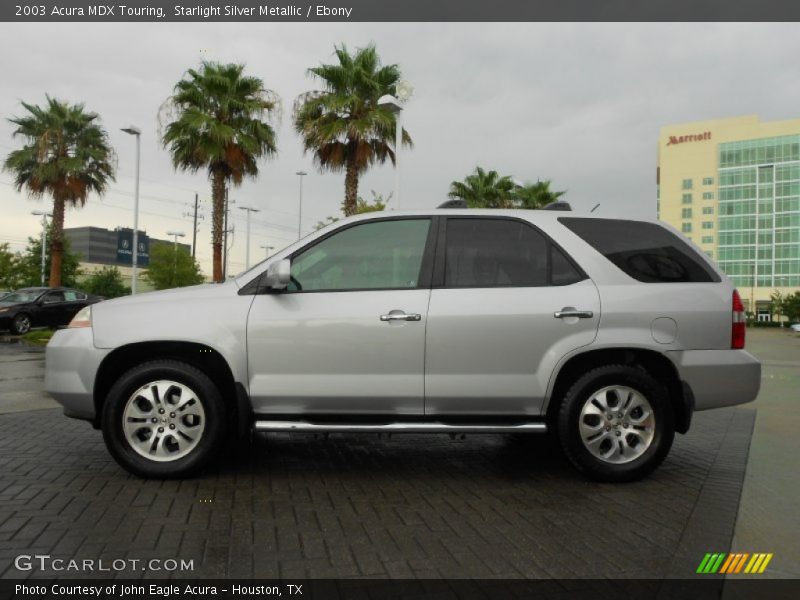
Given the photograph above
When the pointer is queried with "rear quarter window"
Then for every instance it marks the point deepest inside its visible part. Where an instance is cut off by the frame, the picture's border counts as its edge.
(645, 251)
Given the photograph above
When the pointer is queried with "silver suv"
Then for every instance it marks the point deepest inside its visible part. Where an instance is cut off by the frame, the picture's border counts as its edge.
(609, 333)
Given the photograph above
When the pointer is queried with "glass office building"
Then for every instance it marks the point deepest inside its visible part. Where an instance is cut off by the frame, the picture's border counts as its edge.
(733, 187)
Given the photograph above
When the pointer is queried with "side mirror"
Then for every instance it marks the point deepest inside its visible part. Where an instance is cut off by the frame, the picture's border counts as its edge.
(278, 274)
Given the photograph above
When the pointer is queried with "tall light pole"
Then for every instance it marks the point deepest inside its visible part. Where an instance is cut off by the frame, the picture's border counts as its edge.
(135, 255)
(394, 104)
(44, 216)
(266, 249)
(249, 210)
(300, 174)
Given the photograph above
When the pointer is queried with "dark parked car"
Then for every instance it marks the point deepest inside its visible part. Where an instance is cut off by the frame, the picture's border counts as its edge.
(41, 307)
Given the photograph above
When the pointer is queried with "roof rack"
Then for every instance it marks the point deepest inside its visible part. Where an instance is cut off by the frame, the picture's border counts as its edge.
(453, 204)
(557, 205)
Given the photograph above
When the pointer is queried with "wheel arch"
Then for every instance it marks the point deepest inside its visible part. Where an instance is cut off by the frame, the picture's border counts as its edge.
(655, 363)
(200, 356)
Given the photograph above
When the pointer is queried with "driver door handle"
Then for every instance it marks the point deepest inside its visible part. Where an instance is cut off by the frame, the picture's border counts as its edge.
(400, 316)
(571, 312)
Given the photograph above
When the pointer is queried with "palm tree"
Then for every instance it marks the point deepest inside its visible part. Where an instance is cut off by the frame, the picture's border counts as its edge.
(536, 195)
(342, 125)
(66, 155)
(484, 189)
(219, 119)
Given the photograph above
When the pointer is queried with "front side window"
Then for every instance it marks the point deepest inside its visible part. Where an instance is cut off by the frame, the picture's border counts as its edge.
(369, 256)
(503, 253)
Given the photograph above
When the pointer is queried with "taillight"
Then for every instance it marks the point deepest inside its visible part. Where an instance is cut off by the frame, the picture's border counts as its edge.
(739, 322)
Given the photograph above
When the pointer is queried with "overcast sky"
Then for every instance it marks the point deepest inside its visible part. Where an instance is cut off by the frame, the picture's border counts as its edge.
(580, 104)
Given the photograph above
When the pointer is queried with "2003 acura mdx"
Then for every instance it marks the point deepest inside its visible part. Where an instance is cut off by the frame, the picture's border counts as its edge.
(608, 332)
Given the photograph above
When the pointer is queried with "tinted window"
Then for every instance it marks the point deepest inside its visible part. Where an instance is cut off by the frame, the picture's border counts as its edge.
(53, 297)
(70, 296)
(563, 272)
(645, 251)
(494, 252)
(376, 255)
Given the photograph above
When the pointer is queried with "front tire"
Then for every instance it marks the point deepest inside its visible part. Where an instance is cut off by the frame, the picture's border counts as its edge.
(21, 324)
(616, 424)
(164, 419)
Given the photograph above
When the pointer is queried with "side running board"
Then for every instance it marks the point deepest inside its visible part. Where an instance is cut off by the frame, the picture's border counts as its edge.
(402, 427)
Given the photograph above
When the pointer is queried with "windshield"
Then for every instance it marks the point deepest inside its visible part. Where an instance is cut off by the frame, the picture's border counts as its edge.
(21, 296)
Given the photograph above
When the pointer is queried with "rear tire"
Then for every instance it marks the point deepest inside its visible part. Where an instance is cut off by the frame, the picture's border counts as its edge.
(164, 419)
(616, 424)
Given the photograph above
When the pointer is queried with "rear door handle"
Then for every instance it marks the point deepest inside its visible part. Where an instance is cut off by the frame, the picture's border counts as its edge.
(568, 311)
(400, 316)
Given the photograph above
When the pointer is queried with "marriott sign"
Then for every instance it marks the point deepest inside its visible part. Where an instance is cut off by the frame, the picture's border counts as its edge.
(695, 137)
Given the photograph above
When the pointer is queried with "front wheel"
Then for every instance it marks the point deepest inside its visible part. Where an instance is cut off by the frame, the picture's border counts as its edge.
(21, 324)
(616, 424)
(163, 419)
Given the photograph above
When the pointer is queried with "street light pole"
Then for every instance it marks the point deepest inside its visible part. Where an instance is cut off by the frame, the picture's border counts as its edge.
(394, 104)
(135, 254)
(44, 216)
(249, 210)
(300, 174)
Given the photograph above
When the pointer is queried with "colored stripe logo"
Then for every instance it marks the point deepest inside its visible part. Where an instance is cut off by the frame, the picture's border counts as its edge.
(735, 562)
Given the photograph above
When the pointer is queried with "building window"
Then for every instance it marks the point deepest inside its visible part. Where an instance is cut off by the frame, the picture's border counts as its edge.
(708, 224)
(687, 199)
(708, 181)
(708, 239)
(687, 184)
(708, 195)
(708, 210)
(686, 213)
(686, 227)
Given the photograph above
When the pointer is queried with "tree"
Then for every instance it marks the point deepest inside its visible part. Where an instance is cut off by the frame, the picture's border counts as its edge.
(342, 125)
(66, 155)
(362, 206)
(535, 195)
(778, 301)
(791, 307)
(106, 282)
(29, 263)
(484, 189)
(219, 119)
(172, 267)
(9, 268)
(488, 189)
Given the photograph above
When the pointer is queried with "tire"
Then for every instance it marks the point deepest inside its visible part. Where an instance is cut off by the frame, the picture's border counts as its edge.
(634, 441)
(21, 324)
(189, 413)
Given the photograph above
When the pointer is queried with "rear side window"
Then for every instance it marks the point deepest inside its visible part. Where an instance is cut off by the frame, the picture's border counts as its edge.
(645, 251)
(502, 253)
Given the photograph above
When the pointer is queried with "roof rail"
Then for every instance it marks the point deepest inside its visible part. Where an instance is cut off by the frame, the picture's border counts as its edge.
(557, 205)
(453, 204)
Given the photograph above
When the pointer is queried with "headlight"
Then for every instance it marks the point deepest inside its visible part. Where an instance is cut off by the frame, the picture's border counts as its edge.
(82, 319)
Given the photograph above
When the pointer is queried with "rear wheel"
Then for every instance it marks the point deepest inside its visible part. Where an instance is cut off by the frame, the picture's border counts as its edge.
(164, 419)
(616, 424)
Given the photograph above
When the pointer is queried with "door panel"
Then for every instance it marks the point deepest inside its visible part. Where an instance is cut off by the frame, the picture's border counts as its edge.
(330, 352)
(492, 350)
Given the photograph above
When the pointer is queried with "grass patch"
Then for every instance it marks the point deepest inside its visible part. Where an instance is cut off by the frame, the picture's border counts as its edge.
(40, 337)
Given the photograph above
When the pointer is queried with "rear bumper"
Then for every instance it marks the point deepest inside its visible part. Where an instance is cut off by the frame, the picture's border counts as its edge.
(71, 363)
(718, 378)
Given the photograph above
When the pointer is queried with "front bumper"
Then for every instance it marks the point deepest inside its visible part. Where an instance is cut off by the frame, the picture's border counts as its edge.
(718, 378)
(71, 363)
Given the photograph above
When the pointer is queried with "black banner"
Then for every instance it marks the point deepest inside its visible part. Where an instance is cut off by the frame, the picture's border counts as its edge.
(444, 589)
(125, 248)
(283, 11)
